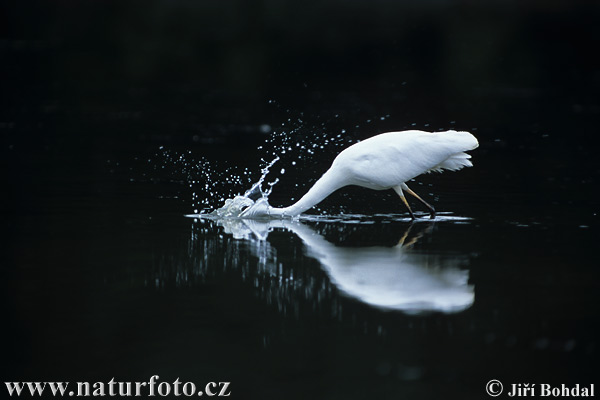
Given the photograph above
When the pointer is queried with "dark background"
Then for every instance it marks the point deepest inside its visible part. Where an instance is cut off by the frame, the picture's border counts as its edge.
(83, 83)
(90, 90)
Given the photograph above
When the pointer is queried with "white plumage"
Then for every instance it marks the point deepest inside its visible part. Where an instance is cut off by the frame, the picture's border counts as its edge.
(385, 161)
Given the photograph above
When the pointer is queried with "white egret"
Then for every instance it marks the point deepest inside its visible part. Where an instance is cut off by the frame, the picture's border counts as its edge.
(385, 161)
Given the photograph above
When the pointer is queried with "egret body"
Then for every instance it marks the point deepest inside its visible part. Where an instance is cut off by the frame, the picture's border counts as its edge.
(385, 161)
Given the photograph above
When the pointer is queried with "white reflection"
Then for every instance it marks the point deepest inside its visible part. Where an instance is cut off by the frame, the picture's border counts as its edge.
(393, 278)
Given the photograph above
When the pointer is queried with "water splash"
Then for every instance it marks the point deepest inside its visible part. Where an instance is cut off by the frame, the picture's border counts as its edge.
(297, 141)
(233, 208)
(256, 192)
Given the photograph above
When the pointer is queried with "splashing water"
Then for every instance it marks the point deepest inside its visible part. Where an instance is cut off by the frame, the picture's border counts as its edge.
(289, 143)
(297, 142)
(233, 208)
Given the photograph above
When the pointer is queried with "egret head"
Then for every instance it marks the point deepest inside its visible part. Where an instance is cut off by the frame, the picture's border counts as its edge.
(260, 209)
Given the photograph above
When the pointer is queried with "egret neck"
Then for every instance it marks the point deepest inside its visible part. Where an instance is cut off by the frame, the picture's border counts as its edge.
(331, 181)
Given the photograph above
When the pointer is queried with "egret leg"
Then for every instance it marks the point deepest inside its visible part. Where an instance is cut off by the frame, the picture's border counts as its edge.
(398, 190)
(426, 204)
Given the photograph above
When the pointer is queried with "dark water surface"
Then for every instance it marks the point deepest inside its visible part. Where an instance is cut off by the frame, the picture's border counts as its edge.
(114, 280)
(106, 274)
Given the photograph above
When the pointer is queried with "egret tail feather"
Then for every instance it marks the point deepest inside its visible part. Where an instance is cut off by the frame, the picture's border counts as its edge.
(453, 163)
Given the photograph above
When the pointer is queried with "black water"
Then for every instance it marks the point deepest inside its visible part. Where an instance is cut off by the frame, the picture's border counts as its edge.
(105, 276)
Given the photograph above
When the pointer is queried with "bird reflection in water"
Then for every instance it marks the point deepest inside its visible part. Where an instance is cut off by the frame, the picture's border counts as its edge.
(391, 278)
